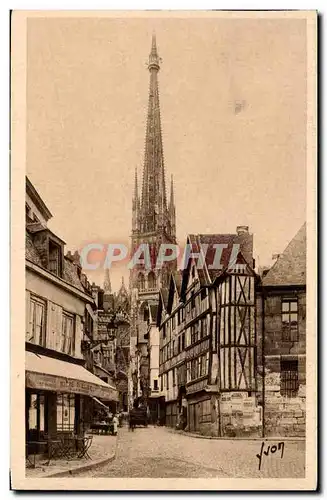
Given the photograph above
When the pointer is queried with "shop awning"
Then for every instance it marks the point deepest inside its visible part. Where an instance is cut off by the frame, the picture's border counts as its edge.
(100, 403)
(51, 374)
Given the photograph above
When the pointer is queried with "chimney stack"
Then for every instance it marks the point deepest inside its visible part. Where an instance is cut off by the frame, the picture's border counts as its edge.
(69, 256)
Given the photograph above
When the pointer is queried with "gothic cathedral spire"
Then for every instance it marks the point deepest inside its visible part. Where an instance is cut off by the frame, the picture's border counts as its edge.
(153, 207)
(153, 219)
(153, 224)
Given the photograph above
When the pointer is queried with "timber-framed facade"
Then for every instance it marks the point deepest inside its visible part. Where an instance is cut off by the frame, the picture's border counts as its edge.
(208, 342)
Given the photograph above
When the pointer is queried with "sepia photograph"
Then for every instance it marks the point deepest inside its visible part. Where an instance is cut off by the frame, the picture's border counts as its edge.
(163, 220)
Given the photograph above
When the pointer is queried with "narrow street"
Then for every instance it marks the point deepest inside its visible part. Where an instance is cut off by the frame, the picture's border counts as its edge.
(160, 452)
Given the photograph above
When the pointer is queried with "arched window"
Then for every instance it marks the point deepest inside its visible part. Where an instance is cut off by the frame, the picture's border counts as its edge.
(151, 280)
(141, 281)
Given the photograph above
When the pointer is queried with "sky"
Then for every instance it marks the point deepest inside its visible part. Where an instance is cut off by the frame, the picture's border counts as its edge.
(233, 111)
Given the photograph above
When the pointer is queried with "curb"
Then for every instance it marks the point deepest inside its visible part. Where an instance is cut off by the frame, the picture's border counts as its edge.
(83, 468)
(270, 438)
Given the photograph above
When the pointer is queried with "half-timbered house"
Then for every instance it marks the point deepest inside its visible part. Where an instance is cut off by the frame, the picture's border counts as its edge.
(214, 312)
(172, 367)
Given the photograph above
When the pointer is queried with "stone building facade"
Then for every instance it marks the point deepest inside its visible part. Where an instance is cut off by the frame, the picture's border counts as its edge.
(59, 386)
(281, 304)
(111, 346)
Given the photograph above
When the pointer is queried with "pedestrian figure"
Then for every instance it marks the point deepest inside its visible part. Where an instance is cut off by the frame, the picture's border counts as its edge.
(115, 424)
(131, 420)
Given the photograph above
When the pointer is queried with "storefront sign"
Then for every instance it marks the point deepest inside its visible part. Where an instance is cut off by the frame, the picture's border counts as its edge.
(36, 380)
(105, 318)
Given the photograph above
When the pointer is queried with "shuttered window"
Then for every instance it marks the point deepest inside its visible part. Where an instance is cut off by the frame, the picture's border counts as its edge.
(54, 258)
(67, 334)
(37, 319)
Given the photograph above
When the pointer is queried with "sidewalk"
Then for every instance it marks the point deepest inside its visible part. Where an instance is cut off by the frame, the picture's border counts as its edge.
(268, 438)
(102, 450)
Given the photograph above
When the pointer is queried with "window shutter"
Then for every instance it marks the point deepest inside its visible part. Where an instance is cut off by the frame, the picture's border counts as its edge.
(54, 328)
(27, 314)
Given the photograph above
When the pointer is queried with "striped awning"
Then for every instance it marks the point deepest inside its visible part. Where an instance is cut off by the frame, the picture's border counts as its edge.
(100, 403)
(51, 374)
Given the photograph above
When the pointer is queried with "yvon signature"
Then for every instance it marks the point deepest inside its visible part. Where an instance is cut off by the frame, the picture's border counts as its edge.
(270, 450)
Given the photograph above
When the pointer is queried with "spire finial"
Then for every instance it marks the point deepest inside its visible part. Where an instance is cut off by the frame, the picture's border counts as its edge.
(154, 43)
(154, 58)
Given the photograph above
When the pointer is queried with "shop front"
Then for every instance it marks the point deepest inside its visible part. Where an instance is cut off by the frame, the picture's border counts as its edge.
(59, 399)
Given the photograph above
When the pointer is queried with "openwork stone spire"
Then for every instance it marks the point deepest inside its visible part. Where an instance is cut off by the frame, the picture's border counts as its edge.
(153, 212)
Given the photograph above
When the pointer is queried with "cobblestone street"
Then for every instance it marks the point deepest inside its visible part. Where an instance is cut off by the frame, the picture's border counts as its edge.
(159, 452)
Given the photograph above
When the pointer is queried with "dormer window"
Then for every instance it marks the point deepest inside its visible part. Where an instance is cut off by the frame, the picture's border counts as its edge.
(54, 258)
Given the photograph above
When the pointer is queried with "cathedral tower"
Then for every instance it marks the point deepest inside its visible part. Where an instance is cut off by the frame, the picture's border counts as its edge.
(153, 219)
(153, 224)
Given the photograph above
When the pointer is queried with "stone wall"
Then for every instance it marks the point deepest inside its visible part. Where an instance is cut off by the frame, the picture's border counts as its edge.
(283, 416)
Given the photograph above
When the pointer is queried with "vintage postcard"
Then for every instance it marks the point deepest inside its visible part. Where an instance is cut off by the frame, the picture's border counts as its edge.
(163, 186)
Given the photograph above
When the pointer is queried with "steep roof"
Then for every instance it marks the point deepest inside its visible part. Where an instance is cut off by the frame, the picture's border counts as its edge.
(69, 272)
(162, 305)
(30, 251)
(32, 192)
(245, 242)
(290, 267)
(175, 286)
(70, 275)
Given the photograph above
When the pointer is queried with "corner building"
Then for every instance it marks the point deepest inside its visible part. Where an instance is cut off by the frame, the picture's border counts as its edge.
(208, 343)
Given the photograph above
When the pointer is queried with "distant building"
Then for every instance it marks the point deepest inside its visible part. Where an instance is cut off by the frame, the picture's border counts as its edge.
(282, 329)
(59, 320)
(208, 354)
(111, 345)
(153, 347)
